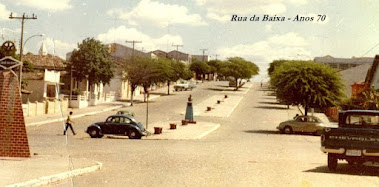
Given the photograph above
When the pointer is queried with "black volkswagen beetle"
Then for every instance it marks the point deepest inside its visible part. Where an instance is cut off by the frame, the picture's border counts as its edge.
(119, 124)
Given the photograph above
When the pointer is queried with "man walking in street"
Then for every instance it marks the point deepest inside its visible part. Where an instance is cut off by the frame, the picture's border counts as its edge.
(69, 124)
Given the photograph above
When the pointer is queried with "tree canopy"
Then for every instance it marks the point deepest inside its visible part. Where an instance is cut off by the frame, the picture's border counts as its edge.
(140, 71)
(92, 61)
(275, 64)
(306, 83)
(200, 68)
(239, 69)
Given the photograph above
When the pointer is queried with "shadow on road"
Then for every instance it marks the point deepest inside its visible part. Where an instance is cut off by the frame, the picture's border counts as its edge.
(263, 131)
(163, 94)
(265, 90)
(269, 97)
(346, 169)
(217, 89)
(269, 103)
(225, 89)
(277, 132)
(273, 107)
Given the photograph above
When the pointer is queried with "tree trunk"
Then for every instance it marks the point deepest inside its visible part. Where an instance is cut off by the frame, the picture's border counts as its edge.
(236, 83)
(145, 93)
(168, 87)
(306, 110)
(132, 93)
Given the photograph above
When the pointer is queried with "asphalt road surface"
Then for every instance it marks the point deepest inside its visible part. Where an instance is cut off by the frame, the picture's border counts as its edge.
(246, 150)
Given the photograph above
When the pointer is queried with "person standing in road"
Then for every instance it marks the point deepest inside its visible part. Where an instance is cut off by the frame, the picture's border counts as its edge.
(69, 124)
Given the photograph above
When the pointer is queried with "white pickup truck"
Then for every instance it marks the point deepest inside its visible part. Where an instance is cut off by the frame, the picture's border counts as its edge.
(184, 85)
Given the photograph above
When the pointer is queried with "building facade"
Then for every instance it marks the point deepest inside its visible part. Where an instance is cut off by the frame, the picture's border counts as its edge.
(343, 63)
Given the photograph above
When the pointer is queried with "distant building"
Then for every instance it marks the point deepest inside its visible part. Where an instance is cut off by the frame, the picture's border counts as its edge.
(159, 53)
(45, 81)
(201, 58)
(344, 63)
(354, 76)
(372, 78)
(125, 52)
(180, 56)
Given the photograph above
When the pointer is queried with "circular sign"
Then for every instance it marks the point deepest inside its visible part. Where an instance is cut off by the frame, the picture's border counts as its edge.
(8, 48)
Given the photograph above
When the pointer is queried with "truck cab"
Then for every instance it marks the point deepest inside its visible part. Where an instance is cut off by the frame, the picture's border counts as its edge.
(356, 139)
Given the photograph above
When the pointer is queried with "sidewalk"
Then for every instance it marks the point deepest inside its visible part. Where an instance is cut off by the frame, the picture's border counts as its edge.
(43, 170)
(90, 110)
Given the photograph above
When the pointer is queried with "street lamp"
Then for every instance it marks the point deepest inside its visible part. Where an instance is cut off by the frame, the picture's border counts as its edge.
(21, 50)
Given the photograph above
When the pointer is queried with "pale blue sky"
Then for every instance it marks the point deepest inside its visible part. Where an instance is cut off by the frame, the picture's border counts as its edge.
(350, 29)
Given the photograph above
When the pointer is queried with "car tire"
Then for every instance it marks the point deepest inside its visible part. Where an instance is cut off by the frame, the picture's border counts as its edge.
(332, 162)
(287, 130)
(94, 133)
(133, 134)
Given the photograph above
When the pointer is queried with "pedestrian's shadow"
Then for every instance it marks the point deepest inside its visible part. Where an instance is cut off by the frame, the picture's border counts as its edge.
(346, 169)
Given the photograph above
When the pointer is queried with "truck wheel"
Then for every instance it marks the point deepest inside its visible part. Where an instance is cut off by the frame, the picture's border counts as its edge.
(332, 162)
(287, 130)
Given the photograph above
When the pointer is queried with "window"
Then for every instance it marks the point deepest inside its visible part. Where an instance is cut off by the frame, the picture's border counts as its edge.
(116, 120)
(313, 119)
(125, 120)
(301, 119)
(362, 120)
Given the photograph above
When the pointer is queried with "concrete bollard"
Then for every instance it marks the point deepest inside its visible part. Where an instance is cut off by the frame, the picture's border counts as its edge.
(172, 125)
(157, 130)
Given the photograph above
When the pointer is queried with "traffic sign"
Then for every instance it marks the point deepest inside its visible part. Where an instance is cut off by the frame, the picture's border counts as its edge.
(9, 63)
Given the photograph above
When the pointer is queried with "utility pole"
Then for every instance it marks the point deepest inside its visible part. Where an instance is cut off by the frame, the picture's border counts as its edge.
(23, 20)
(216, 55)
(133, 43)
(203, 53)
(177, 50)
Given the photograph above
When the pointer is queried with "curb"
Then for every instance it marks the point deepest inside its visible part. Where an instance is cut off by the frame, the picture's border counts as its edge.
(235, 106)
(45, 180)
(207, 132)
(73, 117)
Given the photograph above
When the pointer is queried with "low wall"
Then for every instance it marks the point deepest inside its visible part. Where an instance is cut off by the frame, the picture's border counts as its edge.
(45, 107)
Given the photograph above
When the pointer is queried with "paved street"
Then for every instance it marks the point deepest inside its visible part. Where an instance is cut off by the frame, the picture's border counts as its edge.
(246, 150)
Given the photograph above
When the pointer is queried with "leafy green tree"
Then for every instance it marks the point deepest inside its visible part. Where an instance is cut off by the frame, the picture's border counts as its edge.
(306, 83)
(367, 100)
(200, 68)
(92, 61)
(166, 72)
(215, 66)
(275, 64)
(239, 69)
(141, 71)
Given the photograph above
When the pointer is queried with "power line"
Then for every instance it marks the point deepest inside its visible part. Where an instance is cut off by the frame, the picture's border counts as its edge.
(133, 43)
(177, 49)
(203, 53)
(370, 49)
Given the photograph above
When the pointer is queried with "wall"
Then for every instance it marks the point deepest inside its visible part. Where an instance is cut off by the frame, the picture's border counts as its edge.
(36, 86)
(46, 107)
